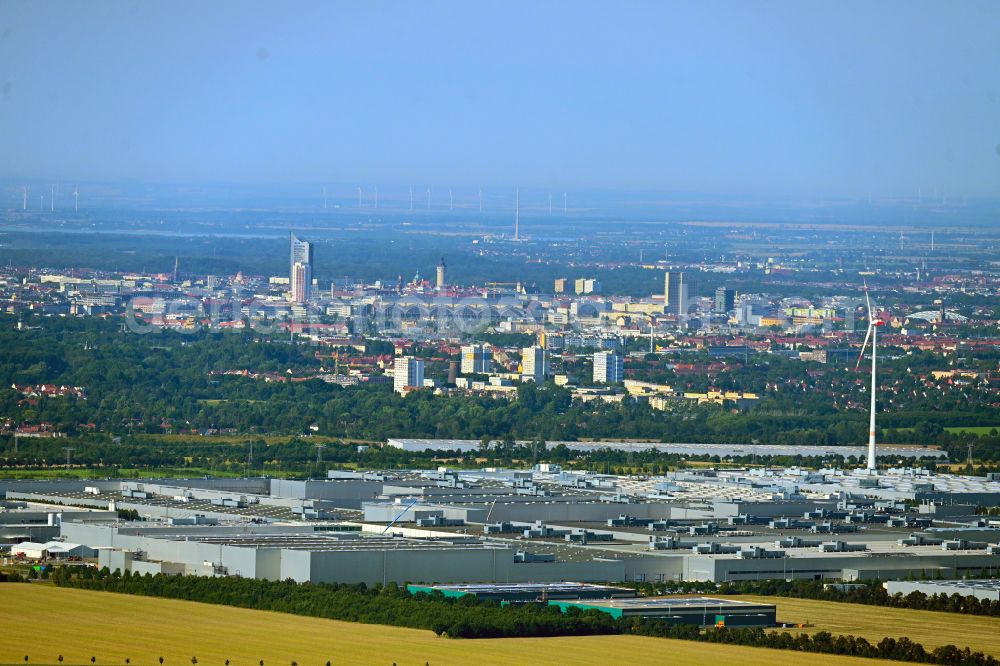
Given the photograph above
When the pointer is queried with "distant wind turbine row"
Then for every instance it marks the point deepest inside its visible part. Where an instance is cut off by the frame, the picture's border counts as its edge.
(53, 195)
(374, 201)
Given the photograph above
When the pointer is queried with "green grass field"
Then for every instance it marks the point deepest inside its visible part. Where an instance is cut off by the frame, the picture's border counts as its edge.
(929, 628)
(975, 430)
(42, 622)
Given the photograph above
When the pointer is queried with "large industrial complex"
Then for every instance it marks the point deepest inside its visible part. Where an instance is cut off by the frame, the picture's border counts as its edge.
(505, 526)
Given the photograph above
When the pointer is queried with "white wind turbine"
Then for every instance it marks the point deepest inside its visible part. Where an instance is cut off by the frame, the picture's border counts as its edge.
(872, 333)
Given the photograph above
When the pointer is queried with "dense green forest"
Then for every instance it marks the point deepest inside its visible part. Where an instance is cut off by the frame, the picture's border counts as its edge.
(162, 382)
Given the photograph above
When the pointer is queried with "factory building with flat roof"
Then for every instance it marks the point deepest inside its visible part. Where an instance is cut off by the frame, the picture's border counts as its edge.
(324, 553)
(982, 589)
(528, 592)
(879, 561)
(700, 611)
(722, 450)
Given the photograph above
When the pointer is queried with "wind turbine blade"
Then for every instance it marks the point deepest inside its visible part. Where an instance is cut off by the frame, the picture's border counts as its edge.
(864, 345)
(869, 302)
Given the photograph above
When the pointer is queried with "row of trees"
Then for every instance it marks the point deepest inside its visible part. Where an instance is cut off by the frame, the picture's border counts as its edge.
(466, 617)
(296, 456)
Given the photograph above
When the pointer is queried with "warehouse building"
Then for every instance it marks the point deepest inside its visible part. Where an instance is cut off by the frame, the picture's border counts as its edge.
(880, 561)
(984, 589)
(50, 550)
(325, 553)
(721, 450)
(20, 522)
(701, 611)
(528, 592)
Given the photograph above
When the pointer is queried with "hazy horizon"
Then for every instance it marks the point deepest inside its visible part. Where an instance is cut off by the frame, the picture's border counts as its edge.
(772, 101)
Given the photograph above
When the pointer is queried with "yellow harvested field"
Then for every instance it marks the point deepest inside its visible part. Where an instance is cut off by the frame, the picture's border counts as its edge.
(42, 622)
(929, 628)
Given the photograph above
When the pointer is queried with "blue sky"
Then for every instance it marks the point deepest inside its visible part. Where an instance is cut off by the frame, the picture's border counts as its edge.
(719, 98)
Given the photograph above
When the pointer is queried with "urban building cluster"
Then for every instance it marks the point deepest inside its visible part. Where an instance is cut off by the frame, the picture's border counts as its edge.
(574, 319)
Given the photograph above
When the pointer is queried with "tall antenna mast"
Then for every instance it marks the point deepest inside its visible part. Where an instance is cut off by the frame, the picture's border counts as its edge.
(517, 214)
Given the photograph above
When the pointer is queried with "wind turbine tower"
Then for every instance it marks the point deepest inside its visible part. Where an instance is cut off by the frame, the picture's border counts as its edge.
(376, 197)
(24, 203)
(52, 200)
(564, 203)
(550, 203)
(324, 198)
(360, 193)
(76, 199)
(872, 334)
(480, 200)
(428, 198)
(411, 197)
(451, 200)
